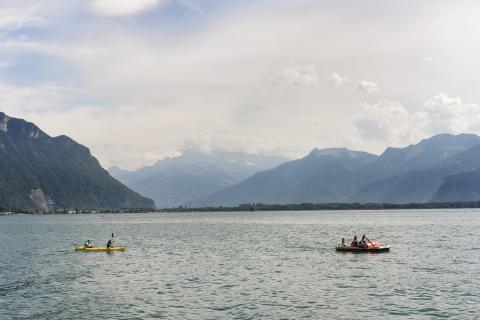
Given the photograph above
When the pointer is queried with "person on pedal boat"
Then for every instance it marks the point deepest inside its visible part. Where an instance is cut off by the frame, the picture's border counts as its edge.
(88, 244)
(354, 242)
(343, 244)
(364, 242)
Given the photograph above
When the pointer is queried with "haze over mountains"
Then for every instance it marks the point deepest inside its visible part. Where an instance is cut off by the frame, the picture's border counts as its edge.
(442, 168)
(321, 176)
(39, 171)
(193, 175)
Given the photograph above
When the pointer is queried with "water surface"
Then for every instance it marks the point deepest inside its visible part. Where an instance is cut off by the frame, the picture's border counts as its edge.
(244, 265)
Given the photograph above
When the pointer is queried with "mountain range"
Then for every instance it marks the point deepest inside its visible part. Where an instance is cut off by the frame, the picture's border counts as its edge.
(39, 171)
(193, 175)
(442, 168)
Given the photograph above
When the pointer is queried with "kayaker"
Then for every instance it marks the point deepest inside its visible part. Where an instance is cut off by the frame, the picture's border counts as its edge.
(354, 242)
(109, 244)
(88, 244)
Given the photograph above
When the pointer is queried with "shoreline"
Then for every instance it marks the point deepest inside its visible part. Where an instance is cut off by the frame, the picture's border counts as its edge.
(261, 207)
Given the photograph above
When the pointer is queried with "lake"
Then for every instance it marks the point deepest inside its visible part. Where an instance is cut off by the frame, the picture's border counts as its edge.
(244, 265)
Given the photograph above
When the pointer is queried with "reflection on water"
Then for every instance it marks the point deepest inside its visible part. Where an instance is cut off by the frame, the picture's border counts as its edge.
(241, 265)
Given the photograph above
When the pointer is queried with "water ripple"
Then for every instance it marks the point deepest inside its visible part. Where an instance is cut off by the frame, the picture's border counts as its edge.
(241, 266)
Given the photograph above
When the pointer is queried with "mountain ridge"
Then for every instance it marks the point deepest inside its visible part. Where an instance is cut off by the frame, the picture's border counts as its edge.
(294, 181)
(194, 174)
(418, 181)
(42, 172)
(398, 175)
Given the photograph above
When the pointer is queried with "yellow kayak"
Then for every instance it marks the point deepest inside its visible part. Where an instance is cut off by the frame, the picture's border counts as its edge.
(80, 248)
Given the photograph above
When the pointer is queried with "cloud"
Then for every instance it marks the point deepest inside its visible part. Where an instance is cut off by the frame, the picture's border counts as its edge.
(393, 123)
(26, 100)
(21, 46)
(307, 75)
(123, 7)
(6, 64)
(367, 87)
(16, 18)
(431, 61)
(240, 73)
(387, 121)
(152, 124)
(298, 76)
(193, 5)
(336, 80)
(442, 113)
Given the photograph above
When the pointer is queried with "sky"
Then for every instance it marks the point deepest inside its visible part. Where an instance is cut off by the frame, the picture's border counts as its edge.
(140, 80)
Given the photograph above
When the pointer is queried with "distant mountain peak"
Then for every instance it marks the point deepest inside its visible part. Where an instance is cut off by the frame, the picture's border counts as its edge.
(116, 171)
(446, 139)
(194, 174)
(443, 141)
(334, 152)
(337, 153)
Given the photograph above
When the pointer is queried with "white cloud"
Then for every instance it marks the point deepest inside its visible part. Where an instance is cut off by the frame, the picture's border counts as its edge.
(298, 76)
(203, 79)
(336, 80)
(307, 75)
(193, 5)
(23, 101)
(367, 87)
(387, 121)
(431, 61)
(442, 113)
(123, 7)
(16, 46)
(17, 18)
(394, 124)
